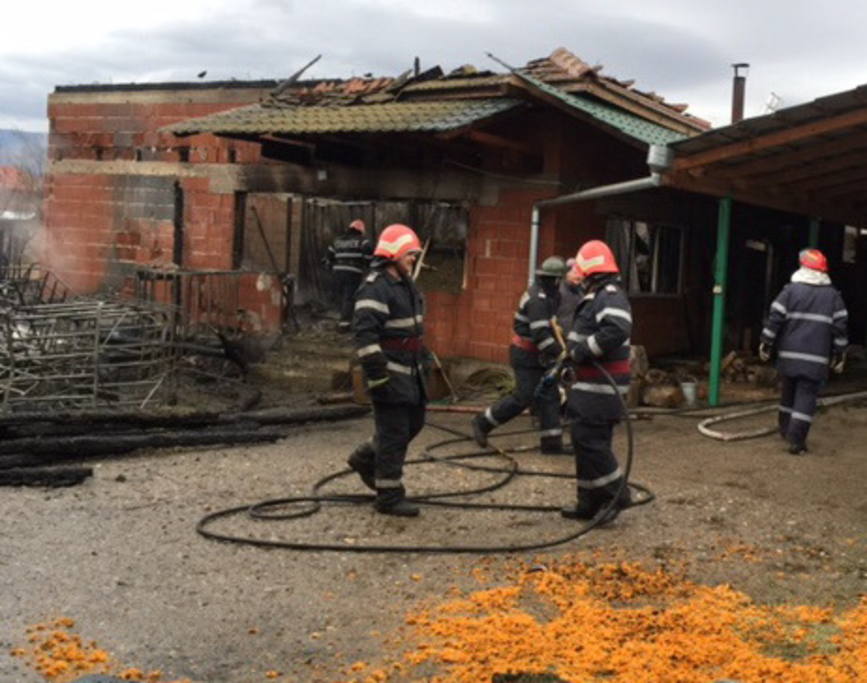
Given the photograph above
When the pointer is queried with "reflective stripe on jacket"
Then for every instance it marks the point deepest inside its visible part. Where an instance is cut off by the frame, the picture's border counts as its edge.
(532, 322)
(387, 326)
(350, 252)
(806, 326)
(601, 331)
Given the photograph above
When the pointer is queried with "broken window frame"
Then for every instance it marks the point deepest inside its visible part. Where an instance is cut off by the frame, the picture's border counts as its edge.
(621, 233)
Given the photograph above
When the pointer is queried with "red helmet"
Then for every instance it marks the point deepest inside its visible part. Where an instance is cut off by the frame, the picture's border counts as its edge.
(395, 241)
(595, 257)
(357, 224)
(813, 259)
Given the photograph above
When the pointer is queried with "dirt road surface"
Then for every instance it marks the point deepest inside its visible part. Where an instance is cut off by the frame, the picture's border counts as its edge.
(120, 554)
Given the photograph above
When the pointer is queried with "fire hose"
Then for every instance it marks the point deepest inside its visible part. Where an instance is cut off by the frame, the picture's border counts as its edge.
(704, 425)
(268, 510)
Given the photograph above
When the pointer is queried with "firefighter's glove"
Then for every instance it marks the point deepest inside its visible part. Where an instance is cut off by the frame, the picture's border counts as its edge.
(549, 359)
(838, 362)
(549, 379)
(764, 352)
(581, 354)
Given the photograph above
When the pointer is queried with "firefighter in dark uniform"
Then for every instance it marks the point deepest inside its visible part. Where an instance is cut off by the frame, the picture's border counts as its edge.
(600, 334)
(806, 330)
(387, 329)
(533, 350)
(348, 257)
(570, 295)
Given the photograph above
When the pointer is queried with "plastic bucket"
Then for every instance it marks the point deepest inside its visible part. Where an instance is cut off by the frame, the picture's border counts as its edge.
(689, 393)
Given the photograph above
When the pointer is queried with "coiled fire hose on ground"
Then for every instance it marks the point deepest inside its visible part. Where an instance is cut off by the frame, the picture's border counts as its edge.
(704, 425)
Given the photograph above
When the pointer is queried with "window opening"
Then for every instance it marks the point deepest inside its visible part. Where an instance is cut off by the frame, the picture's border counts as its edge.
(650, 255)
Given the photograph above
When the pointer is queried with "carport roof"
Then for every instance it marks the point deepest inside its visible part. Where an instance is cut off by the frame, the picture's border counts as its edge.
(809, 159)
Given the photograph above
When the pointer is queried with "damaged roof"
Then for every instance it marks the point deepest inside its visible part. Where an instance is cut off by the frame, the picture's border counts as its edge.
(432, 101)
(387, 117)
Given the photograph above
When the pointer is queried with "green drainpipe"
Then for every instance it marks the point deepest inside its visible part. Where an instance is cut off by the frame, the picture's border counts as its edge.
(723, 225)
(813, 239)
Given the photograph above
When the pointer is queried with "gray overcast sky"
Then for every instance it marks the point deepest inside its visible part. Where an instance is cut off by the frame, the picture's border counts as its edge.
(681, 49)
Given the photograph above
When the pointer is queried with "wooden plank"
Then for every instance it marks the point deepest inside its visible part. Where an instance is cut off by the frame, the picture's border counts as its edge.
(805, 171)
(788, 157)
(643, 109)
(798, 203)
(856, 188)
(817, 182)
(498, 141)
(770, 140)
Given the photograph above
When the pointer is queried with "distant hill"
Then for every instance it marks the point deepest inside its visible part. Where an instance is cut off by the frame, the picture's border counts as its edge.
(22, 148)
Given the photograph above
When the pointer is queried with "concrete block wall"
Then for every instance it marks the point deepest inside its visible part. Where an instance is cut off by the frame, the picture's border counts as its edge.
(477, 323)
(124, 125)
(110, 196)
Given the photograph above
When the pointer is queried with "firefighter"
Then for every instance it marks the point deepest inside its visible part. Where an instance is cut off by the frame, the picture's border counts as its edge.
(806, 331)
(600, 335)
(534, 348)
(570, 295)
(348, 257)
(387, 328)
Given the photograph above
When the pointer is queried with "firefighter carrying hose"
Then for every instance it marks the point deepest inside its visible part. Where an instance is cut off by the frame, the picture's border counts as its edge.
(600, 335)
(348, 257)
(387, 328)
(806, 330)
(534, 348)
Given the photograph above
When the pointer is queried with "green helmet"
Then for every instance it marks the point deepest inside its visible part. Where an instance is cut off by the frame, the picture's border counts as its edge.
(553, 266)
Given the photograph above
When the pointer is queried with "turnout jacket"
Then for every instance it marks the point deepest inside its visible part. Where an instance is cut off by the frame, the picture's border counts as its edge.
(532, 326)
(806, 326)
(387, 326)
(600, 332)
(350, 252)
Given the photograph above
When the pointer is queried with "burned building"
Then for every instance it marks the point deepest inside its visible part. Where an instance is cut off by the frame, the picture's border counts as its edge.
(254, 178)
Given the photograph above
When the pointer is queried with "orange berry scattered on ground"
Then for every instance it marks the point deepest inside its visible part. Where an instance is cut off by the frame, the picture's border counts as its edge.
(620, 622)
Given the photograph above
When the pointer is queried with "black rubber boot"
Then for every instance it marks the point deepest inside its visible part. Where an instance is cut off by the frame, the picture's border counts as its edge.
(797, 448)
(480, 433)
(554, 446)
(591, 504)
(402, 508)
(583, 509)
(361, 461)
(393, 502)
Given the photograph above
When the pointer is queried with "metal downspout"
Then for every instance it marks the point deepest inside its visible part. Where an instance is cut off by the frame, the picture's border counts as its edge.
(653, 180)
(724, 220)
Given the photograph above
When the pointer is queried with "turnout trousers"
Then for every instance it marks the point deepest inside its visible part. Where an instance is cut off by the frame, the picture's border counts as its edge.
(345, 285)
(797, 408)
(546, 406)
(395, 425)
(596, 468)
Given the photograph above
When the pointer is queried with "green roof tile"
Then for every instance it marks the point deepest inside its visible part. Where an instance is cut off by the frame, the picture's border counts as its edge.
(389, 117)
(630, 124)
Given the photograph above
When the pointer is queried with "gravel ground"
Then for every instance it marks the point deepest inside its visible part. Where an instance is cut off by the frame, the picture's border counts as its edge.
(120, 555)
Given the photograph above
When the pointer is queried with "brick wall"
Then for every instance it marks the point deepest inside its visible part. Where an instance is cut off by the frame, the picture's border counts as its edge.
(100, 225)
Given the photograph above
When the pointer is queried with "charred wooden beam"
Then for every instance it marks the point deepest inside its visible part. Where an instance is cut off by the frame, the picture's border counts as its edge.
(44, 476)
(18, 427)
(38, 451)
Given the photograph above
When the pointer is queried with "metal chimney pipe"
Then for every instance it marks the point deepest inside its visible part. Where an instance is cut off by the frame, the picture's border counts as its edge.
(738, 90)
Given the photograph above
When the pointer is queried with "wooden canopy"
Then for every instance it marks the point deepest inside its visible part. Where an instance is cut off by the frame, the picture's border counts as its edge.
(810, 159)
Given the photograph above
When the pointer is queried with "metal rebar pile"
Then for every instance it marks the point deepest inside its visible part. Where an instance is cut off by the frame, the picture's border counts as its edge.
(84, 354)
